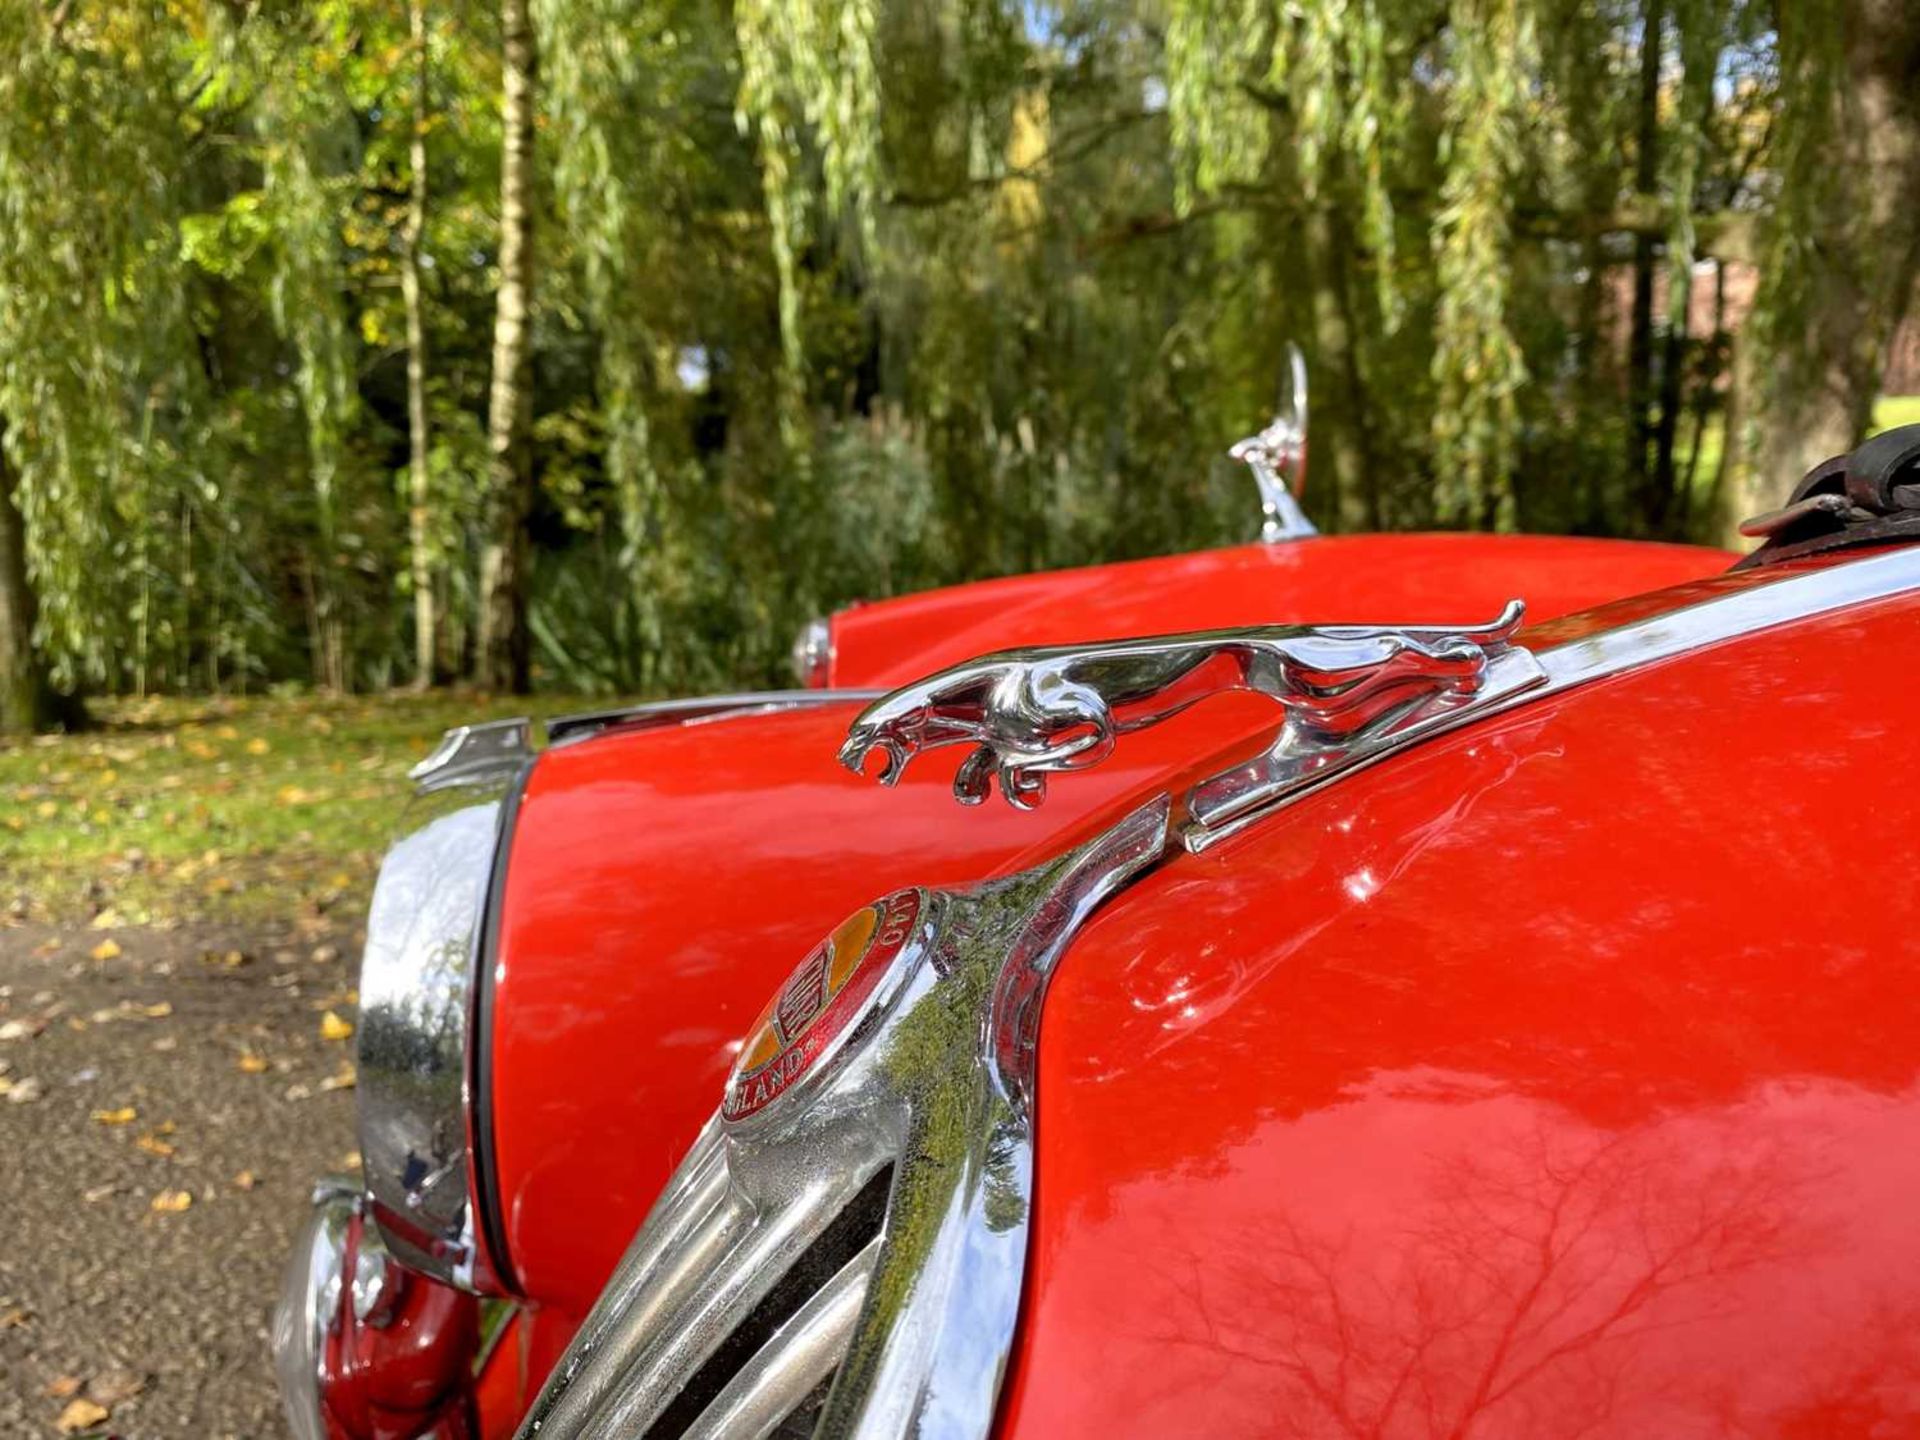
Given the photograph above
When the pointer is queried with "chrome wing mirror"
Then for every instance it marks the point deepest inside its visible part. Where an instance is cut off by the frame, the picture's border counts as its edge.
(1277, 456)
(1345, 689)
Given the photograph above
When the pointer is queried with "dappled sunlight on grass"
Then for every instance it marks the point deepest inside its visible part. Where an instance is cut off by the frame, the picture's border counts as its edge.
(178, 809)
(1896, 410)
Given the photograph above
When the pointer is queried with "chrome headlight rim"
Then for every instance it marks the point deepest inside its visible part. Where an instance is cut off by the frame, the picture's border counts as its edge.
(424, 1046)
(483, 1183)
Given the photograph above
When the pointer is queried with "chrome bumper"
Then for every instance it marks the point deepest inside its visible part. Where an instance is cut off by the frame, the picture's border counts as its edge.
(310, 1301)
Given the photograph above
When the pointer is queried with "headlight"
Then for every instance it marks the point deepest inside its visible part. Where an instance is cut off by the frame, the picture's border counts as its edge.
(813, 654)
(419, 990)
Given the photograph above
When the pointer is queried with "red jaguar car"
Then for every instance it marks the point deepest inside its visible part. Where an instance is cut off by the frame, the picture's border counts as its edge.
(1393, 986)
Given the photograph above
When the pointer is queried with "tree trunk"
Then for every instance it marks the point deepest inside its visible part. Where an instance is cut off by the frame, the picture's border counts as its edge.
(1641, 436)
(1338, 422)
(504, 652)
(419, 496)
(1666, 430)
(1816, 399)
(26, 701)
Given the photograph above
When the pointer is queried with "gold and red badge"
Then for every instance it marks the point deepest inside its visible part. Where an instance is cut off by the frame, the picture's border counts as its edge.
(818, 1003)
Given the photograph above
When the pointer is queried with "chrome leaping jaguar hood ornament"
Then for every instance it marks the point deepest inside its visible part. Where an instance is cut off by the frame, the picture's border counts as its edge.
(1028, 713)
(1277, 456)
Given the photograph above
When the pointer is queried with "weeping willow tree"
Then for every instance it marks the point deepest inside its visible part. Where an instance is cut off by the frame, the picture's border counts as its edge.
(102, 411)
(842, 298)
(1841, 249)
(1051, 255)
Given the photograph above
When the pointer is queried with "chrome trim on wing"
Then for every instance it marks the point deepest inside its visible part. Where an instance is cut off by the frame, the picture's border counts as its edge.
(488, 753)
(932, 1096)
(696, 708)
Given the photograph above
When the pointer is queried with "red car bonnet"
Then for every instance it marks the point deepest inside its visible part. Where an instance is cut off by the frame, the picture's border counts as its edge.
(1557, 1078)
(1357, 579)
(663, 882)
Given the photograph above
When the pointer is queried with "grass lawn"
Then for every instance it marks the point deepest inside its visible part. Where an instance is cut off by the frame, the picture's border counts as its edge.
(1896, 410)
(215, 808)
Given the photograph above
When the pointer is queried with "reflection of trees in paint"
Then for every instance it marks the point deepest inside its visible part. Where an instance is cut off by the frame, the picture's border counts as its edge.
(1868, 1386)
(1524, 1297)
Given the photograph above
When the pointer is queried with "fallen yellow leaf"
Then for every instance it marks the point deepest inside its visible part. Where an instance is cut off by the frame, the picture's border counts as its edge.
(158, 1011)
(125, 1115)
(46, 809)
(172, 1202)
(80, 1414)
(258, 746)
(252, 1064)
(106, 950)
(154, 1145)
(245, 1180)
(332, 1027)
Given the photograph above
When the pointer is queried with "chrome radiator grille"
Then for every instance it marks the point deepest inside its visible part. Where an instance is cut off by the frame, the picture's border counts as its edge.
(728, 1311)
(845, 1257)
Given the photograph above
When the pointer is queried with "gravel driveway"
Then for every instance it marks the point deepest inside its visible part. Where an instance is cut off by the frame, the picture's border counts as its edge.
(169, 1099)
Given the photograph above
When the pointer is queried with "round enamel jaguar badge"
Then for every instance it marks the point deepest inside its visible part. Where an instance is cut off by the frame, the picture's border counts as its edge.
(818, 1004)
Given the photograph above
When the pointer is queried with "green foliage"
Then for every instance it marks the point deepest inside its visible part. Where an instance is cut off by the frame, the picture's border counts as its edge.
(1477, 364)
(842, 298)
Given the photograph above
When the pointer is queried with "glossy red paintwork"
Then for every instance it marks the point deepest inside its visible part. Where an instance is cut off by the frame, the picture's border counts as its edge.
(1560, 1077)
(408, 1377)
(1364, 579)
(663, 882)
(528, 1347)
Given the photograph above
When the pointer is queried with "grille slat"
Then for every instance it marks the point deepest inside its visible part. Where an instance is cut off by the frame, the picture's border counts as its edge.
(685, 1336)
(856, 1225)
(801, 1355)
(710, 1282)
(680, 1245)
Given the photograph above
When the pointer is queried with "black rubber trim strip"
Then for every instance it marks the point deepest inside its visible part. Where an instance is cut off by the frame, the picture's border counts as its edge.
(863, 1218)
(484, 1179)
